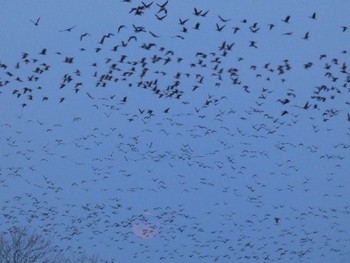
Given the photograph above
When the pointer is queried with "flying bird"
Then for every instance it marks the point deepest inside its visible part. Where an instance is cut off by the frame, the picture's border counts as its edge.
(306, 36)
(132, 38)
(253, 44)
(182, 22)
(84, 35)
(121, 27)
(68, 29)
(124, 99)
(313, 16)
(104, 37)
(235, 30)
(223, 19)
(199, 12)
(286, 19)
(147, 5)
(160, 18)
(179, 36)
(196, 27)
(153, 35)
(43, 52)
(36, 23)
(271, 26)
(163, 5)
(219, 28)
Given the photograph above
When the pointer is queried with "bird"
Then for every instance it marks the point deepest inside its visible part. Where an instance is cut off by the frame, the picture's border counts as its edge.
(153, 35)
(286, 19)
(182, 22)
(196, 27)
(179, 36)
(68, 29)
(43, 51)
(197, 12)
(271, 26)
(205, 13)
(235, 30)
(84, 35)
(223, 19)
(160, 18)
(220, 28)
(163, 5)
(313, 16)
(253, 44)
(147, 5)
(307, 106)
(36, 23)
(121, 27)
(104, 37)
(306, 36)
(132, 38)
(90, 96)
(254, 29)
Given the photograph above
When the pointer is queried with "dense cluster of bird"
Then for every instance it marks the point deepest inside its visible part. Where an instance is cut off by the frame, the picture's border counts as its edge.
(223, 153)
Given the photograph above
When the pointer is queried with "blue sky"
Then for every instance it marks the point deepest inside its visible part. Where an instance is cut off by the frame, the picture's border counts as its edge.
(208, 135)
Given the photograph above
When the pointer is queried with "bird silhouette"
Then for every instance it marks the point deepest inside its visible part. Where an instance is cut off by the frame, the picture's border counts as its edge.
(68, 29)
(36, 22)
(286, 19)
(84, 35)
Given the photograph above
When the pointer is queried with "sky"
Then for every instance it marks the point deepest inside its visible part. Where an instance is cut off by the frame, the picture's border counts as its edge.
(178, 131)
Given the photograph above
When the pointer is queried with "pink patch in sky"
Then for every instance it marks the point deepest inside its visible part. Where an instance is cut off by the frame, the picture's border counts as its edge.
(144, 230)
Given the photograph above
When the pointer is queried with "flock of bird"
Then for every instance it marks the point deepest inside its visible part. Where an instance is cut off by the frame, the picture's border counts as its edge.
(192, 138)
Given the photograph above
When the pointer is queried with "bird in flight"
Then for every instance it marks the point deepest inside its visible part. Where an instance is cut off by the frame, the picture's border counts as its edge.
(160, 18)
(253, 44)
(313, 16)
(219, 28)
(163, 5)
(196, 27)
(36, 23)
(271, 26)
(306, 36)
(286, 20)
(235, 29)
(104, 37)
(68, 29)
(182, 22)
(121, 27)
(154, 35)
(84, 35)
(223, 19)
(147, 5)
(197, 12)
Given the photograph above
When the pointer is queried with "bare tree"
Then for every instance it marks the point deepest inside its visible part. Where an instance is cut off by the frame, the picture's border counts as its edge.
(17, 245)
